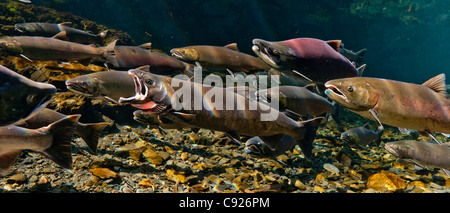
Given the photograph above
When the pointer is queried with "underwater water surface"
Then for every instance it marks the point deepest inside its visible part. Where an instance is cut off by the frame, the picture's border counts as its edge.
(407, 40)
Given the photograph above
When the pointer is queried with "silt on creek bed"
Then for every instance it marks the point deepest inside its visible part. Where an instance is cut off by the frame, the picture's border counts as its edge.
(134, 159)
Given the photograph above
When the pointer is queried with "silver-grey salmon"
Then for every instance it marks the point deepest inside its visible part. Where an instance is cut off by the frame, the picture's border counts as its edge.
(216, 57)
(60, 31)
(423, 154)
(361, 136)
(53, 141)
(20, 97)
(109, 85)
(131, 57)
(50, 49)
(257, 148)
(89, 132)
(155, 94)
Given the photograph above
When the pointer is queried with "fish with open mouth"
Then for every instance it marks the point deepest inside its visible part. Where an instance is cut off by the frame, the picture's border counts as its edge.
(20, 97)
(411, 106)
(309, 59)
(158, 95)
(423, 154)
(216, 57)
(60, 31)
(53, 141)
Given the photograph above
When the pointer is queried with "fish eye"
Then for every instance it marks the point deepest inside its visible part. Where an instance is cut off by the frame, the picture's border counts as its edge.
(31, 99)
(350, 88)
(274, 51)
(149, 81)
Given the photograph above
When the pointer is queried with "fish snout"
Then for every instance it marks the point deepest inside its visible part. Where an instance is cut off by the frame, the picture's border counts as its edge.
(391, 148)
(177, 53)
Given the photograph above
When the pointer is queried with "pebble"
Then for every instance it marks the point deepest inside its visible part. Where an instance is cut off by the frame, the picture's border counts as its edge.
(385, 182)
(146, 162)
(331, 168)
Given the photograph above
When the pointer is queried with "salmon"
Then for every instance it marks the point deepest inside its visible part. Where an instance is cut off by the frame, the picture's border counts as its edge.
(411, 106)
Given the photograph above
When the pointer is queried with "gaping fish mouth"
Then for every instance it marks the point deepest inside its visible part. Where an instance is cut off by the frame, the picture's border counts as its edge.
(142, 99)
(177, 54)
(334, 91)
(263, 53)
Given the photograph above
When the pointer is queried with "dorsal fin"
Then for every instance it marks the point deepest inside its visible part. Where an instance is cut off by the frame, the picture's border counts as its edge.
(66, 23)
(437, 83)
(334, 44)
(145, 68)
(232, 46)
(147, 46)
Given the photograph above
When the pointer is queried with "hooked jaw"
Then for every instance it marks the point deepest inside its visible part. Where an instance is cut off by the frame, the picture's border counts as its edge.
(79, 87)
(176, 53)
(263, 53)
(332, 90)
(142, 99)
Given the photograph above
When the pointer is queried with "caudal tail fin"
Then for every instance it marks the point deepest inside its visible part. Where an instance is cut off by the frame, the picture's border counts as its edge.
(90, 133)
(306, 142)
(360, 54)
(61, 151)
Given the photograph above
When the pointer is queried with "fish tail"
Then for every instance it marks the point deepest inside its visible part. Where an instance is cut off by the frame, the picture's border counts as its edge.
(90, 133)
(310, 128)
(60, 151)
(360, 56)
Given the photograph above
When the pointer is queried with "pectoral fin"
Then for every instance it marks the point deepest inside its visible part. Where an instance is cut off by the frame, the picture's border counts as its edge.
(302, 77)
(184, 117)
(234, 136)
(374, 114)
(85, 62)
(26, 58)
(446, 172)
(61, 35)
